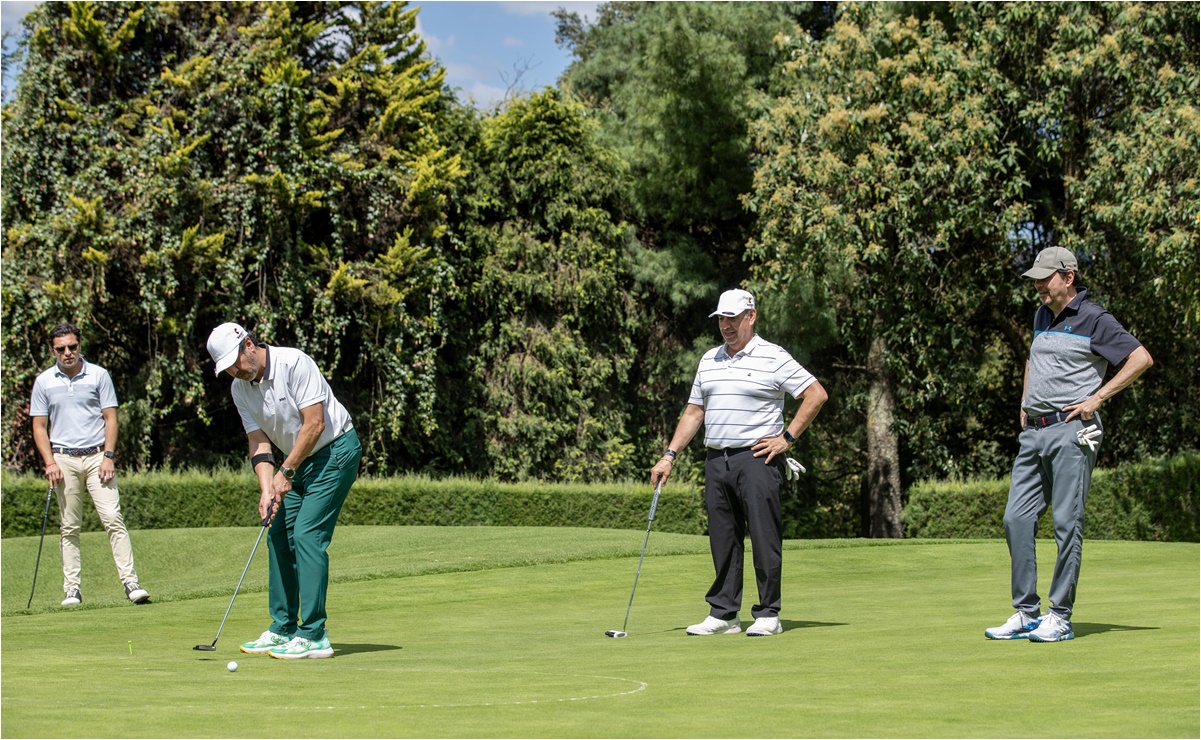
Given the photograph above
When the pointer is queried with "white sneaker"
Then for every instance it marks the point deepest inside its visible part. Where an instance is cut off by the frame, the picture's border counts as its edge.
(714, 626)
(1053, 628)
(765, 626)
(266, 641)
(73, 598)
(1017, 627)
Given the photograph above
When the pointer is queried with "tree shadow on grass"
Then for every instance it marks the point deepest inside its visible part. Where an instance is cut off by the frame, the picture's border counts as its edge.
(1086, 629)
(352, 648)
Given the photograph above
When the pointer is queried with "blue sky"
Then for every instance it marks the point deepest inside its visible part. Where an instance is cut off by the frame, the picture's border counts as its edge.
(486, 47)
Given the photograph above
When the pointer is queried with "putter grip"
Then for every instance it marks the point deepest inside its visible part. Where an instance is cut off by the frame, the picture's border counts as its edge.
(654, 503)
(267, 519)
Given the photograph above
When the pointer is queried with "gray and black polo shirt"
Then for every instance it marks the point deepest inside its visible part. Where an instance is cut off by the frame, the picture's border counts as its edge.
(1070, 354)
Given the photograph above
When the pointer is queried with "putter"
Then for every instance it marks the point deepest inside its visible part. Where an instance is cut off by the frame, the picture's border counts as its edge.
(650, 519)
(213, 647)
(45, 514)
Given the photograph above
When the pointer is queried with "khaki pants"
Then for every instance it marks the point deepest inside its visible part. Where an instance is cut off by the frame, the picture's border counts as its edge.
(80, 473)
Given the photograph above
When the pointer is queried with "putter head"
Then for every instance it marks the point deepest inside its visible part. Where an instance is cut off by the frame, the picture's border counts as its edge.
(615, 633)
(206, 648)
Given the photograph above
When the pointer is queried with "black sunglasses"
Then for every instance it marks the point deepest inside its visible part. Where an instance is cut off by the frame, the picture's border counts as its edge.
(66, 348)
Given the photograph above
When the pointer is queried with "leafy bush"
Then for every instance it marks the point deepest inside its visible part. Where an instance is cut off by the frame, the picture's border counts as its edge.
(1152, 500)
(226, 498)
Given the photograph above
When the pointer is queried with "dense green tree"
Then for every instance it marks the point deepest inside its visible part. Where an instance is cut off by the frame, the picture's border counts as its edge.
(885, 196)
(169, 166)
(1107, 117)
(551, 296)
(670, 85)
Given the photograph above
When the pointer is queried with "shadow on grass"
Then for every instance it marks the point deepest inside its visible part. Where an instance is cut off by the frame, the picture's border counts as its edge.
(796, 624)
(341, 648)
(1085, 629)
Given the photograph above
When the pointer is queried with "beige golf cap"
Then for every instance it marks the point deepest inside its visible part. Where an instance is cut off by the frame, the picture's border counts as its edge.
(1050, 261)
(734, 302)
(224, 343)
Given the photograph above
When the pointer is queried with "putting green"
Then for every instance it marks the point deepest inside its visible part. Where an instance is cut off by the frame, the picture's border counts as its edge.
(499, 632)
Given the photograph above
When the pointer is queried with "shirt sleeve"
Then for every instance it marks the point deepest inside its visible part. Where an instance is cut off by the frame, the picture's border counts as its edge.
(695, 397)
(106, 391)
(39, 403)
(305, 383)
(1112, 341)
(792, 377)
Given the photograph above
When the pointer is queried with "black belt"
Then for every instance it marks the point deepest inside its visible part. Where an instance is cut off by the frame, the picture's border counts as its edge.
(726, 452)
(77, 451)
(1045, 421)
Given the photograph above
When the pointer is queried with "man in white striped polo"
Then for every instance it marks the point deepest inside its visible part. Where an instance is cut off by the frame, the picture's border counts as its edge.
(738, 395)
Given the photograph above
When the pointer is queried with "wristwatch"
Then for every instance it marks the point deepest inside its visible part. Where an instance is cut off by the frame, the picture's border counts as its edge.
(110, 454)
(288, 472)
(787, 435)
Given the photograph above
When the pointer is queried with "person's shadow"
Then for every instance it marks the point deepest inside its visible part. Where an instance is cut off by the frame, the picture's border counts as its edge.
(1086, 629)
(344, 648)
(797, 624)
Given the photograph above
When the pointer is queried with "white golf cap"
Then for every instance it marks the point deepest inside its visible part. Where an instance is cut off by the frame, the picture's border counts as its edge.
(224, 343)
(734, 302)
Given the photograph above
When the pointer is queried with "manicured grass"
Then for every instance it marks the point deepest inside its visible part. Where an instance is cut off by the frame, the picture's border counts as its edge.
(498, 632)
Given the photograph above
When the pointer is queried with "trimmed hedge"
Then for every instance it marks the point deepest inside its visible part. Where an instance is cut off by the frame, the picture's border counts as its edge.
(1154, 500)
(161, 500)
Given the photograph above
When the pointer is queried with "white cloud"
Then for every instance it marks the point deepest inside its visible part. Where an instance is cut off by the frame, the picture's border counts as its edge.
(535, 7)
(434, 45)
(510, 42)
(11, 13)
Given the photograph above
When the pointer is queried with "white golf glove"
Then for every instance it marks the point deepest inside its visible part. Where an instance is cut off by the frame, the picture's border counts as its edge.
(1089, 436)
(794, 469)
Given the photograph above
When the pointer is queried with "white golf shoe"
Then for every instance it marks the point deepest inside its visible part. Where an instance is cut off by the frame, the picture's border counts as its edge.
(1017, 627)
(765, 626)
(1053, 628)
(714, 626)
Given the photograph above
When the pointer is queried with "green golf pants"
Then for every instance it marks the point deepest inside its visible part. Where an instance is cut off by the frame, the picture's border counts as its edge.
(301, 532)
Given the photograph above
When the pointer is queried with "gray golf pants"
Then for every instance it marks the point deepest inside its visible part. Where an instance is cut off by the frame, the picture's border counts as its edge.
(1051, 469)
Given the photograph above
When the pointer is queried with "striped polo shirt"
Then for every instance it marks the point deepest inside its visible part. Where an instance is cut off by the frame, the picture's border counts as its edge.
(1070, 354)
(74, 405)
(743, 395)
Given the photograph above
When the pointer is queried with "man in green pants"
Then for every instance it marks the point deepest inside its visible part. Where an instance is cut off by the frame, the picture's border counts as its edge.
(284, 400)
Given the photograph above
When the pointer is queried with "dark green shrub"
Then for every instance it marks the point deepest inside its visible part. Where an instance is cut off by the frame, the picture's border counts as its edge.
(1153, 500)
(228, 499)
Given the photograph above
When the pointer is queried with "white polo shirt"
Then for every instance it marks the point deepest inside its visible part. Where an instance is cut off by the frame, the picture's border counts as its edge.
(290, 383)
(743, 395)
(74, 405)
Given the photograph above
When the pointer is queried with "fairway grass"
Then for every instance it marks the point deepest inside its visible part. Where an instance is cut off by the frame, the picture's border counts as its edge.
(499, 632)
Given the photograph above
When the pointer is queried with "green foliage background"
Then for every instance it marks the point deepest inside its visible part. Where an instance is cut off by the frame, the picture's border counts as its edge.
(523, 293)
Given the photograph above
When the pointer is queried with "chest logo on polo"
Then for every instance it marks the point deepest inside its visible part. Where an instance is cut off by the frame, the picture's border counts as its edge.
(1067, 328)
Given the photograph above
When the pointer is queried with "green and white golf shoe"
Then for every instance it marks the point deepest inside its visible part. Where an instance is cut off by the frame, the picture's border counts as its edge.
(301, 647)
(266, 641)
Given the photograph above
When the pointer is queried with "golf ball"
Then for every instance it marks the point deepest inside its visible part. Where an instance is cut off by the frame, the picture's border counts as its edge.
(232, 666)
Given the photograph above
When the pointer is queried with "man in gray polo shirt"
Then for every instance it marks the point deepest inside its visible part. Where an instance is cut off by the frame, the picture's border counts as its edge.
(1075, 340)
(74, 412)
(738, 394)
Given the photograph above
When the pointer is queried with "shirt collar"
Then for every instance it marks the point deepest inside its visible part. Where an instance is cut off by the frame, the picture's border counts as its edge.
(83, 370)
(747, 350)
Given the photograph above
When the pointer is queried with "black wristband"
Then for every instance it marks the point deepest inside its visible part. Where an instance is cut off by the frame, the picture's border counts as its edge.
(787, 435)
(670, 453)
(265, 457)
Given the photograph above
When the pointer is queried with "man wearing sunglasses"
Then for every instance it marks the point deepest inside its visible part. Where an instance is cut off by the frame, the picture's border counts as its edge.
(74, 411)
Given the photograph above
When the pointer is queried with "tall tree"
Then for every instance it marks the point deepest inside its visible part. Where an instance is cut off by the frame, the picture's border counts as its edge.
(171, 166)
(551, 296)
(885, 197)
(670, 85)
(1108, 118)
